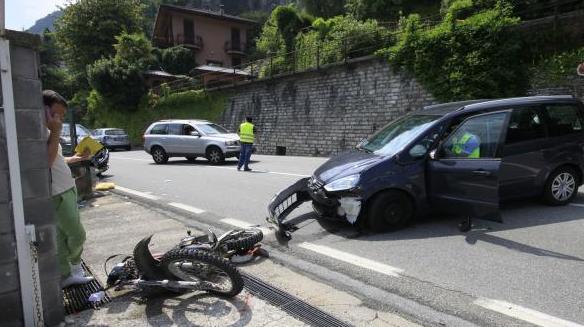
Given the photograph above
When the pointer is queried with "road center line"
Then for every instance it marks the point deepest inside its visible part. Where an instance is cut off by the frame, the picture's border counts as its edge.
(187, 208)
(137, 193)
(525, 314)
(353, 259)
(244, 224)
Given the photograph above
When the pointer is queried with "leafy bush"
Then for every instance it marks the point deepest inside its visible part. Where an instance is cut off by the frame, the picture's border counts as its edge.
(477, 57)
(338, 37)
(178, 60)
(553, 70)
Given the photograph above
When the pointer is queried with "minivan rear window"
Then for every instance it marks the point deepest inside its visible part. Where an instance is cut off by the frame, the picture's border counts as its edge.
(564, 119)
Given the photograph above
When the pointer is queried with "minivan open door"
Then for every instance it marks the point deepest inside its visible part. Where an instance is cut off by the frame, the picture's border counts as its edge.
(463, 173)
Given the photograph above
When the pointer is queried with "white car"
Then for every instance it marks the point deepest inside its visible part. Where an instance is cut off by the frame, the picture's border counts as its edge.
(113, 138)
(190, 139)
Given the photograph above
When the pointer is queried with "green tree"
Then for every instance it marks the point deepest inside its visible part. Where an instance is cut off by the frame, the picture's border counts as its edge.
(391, 10)
(323, 8)
(119, 79)
(178, 60)
(384, 10)
(86, 32)
(53, 75)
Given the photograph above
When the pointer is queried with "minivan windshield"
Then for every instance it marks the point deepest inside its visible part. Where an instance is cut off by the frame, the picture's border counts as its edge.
(395, 136)
(211, 129)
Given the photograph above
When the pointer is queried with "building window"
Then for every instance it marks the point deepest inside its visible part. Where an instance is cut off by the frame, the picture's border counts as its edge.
(214, 63)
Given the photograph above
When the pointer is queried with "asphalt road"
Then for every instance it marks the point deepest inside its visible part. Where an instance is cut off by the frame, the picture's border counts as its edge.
(527, 270)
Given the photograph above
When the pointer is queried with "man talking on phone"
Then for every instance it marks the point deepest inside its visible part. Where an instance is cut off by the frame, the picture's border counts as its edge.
(70, 231)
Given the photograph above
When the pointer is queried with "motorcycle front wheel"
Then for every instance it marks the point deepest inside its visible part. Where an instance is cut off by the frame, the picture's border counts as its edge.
(216, 275)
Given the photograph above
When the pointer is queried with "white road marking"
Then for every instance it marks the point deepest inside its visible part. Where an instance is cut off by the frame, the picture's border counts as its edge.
(244, 224)
(260, 171)
(577, 205)
(187, 208)
(135, 159)
(353, 259)
(525, 314)
(228, 168)
(137, 193)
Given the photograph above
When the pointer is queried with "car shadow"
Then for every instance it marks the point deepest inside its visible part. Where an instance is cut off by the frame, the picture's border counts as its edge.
(516, 215)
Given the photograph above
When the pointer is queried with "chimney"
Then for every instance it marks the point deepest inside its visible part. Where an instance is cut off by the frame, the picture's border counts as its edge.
(221, 9)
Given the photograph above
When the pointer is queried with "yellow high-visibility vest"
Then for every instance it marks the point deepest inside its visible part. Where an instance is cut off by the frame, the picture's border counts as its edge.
(246, 133)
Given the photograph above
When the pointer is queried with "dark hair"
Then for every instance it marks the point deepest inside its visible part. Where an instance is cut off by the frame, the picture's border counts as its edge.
(249, 119)
(51, 97)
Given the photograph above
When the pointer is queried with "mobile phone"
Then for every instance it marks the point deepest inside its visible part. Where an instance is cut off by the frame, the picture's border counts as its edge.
(48, 113)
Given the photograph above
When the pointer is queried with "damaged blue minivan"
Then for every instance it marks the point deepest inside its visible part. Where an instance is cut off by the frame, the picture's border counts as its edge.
(460, 158)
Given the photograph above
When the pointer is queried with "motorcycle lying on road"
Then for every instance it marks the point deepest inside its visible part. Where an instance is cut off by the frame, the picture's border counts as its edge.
(194, 264)
(100, 161)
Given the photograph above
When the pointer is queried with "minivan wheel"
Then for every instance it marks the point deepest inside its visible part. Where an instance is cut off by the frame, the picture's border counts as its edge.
(389, 210)
(561, 187)
(159, 155)
(215, 155)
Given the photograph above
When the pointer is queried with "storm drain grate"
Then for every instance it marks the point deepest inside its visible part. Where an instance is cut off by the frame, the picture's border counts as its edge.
(75, 298)
(289, 303)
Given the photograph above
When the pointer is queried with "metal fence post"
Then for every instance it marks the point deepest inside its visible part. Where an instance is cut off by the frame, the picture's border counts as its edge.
(345, 50)
(318, 55)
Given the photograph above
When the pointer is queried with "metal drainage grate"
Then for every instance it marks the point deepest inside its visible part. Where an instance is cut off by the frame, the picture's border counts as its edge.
(291, 304)
(75, 298)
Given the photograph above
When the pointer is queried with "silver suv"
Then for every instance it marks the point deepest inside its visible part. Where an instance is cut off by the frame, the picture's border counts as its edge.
(190, 139)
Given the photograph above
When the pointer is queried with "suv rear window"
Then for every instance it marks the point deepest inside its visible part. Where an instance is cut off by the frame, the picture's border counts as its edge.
(564, 119)
(115, 132)
(160, 129)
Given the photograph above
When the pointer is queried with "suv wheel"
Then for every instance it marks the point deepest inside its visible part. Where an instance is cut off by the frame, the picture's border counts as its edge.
(159, 155)
(215, 155)
(561, 187)
(389, 210)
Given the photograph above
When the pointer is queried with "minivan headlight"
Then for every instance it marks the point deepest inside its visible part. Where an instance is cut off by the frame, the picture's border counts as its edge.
(230, 143)
(345, 183)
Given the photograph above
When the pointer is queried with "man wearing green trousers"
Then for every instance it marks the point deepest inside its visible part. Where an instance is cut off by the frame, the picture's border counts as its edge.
(70, 232)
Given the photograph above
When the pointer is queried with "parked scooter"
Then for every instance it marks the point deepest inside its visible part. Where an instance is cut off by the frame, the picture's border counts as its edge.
(195, 264)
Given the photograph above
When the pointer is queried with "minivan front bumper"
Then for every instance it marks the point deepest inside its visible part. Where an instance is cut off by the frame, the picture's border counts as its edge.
(342, 206)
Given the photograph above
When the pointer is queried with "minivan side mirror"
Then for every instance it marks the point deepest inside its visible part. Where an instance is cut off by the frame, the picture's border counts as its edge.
(195, 133)
(418, 151)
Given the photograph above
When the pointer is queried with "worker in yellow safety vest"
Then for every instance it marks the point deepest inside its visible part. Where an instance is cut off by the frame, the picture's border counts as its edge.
(468, 146)
(246, 137)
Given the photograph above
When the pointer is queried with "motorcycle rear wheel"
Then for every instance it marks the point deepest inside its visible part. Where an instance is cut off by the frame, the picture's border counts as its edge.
(217, 274)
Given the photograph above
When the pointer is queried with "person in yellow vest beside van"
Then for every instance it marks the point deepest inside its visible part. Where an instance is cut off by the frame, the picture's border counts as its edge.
(246, 137)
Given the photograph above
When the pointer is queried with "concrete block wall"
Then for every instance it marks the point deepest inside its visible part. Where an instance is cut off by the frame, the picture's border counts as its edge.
(326, 111)
(573, 85)
(35, 183)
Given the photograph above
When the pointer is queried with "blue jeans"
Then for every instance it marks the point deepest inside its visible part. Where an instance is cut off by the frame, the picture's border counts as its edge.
(244, 155)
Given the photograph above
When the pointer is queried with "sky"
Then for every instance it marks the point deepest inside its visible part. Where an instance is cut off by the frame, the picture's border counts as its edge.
(22, 14)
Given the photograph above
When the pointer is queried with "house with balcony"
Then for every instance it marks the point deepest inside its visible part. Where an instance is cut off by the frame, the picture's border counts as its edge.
(215, 38)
